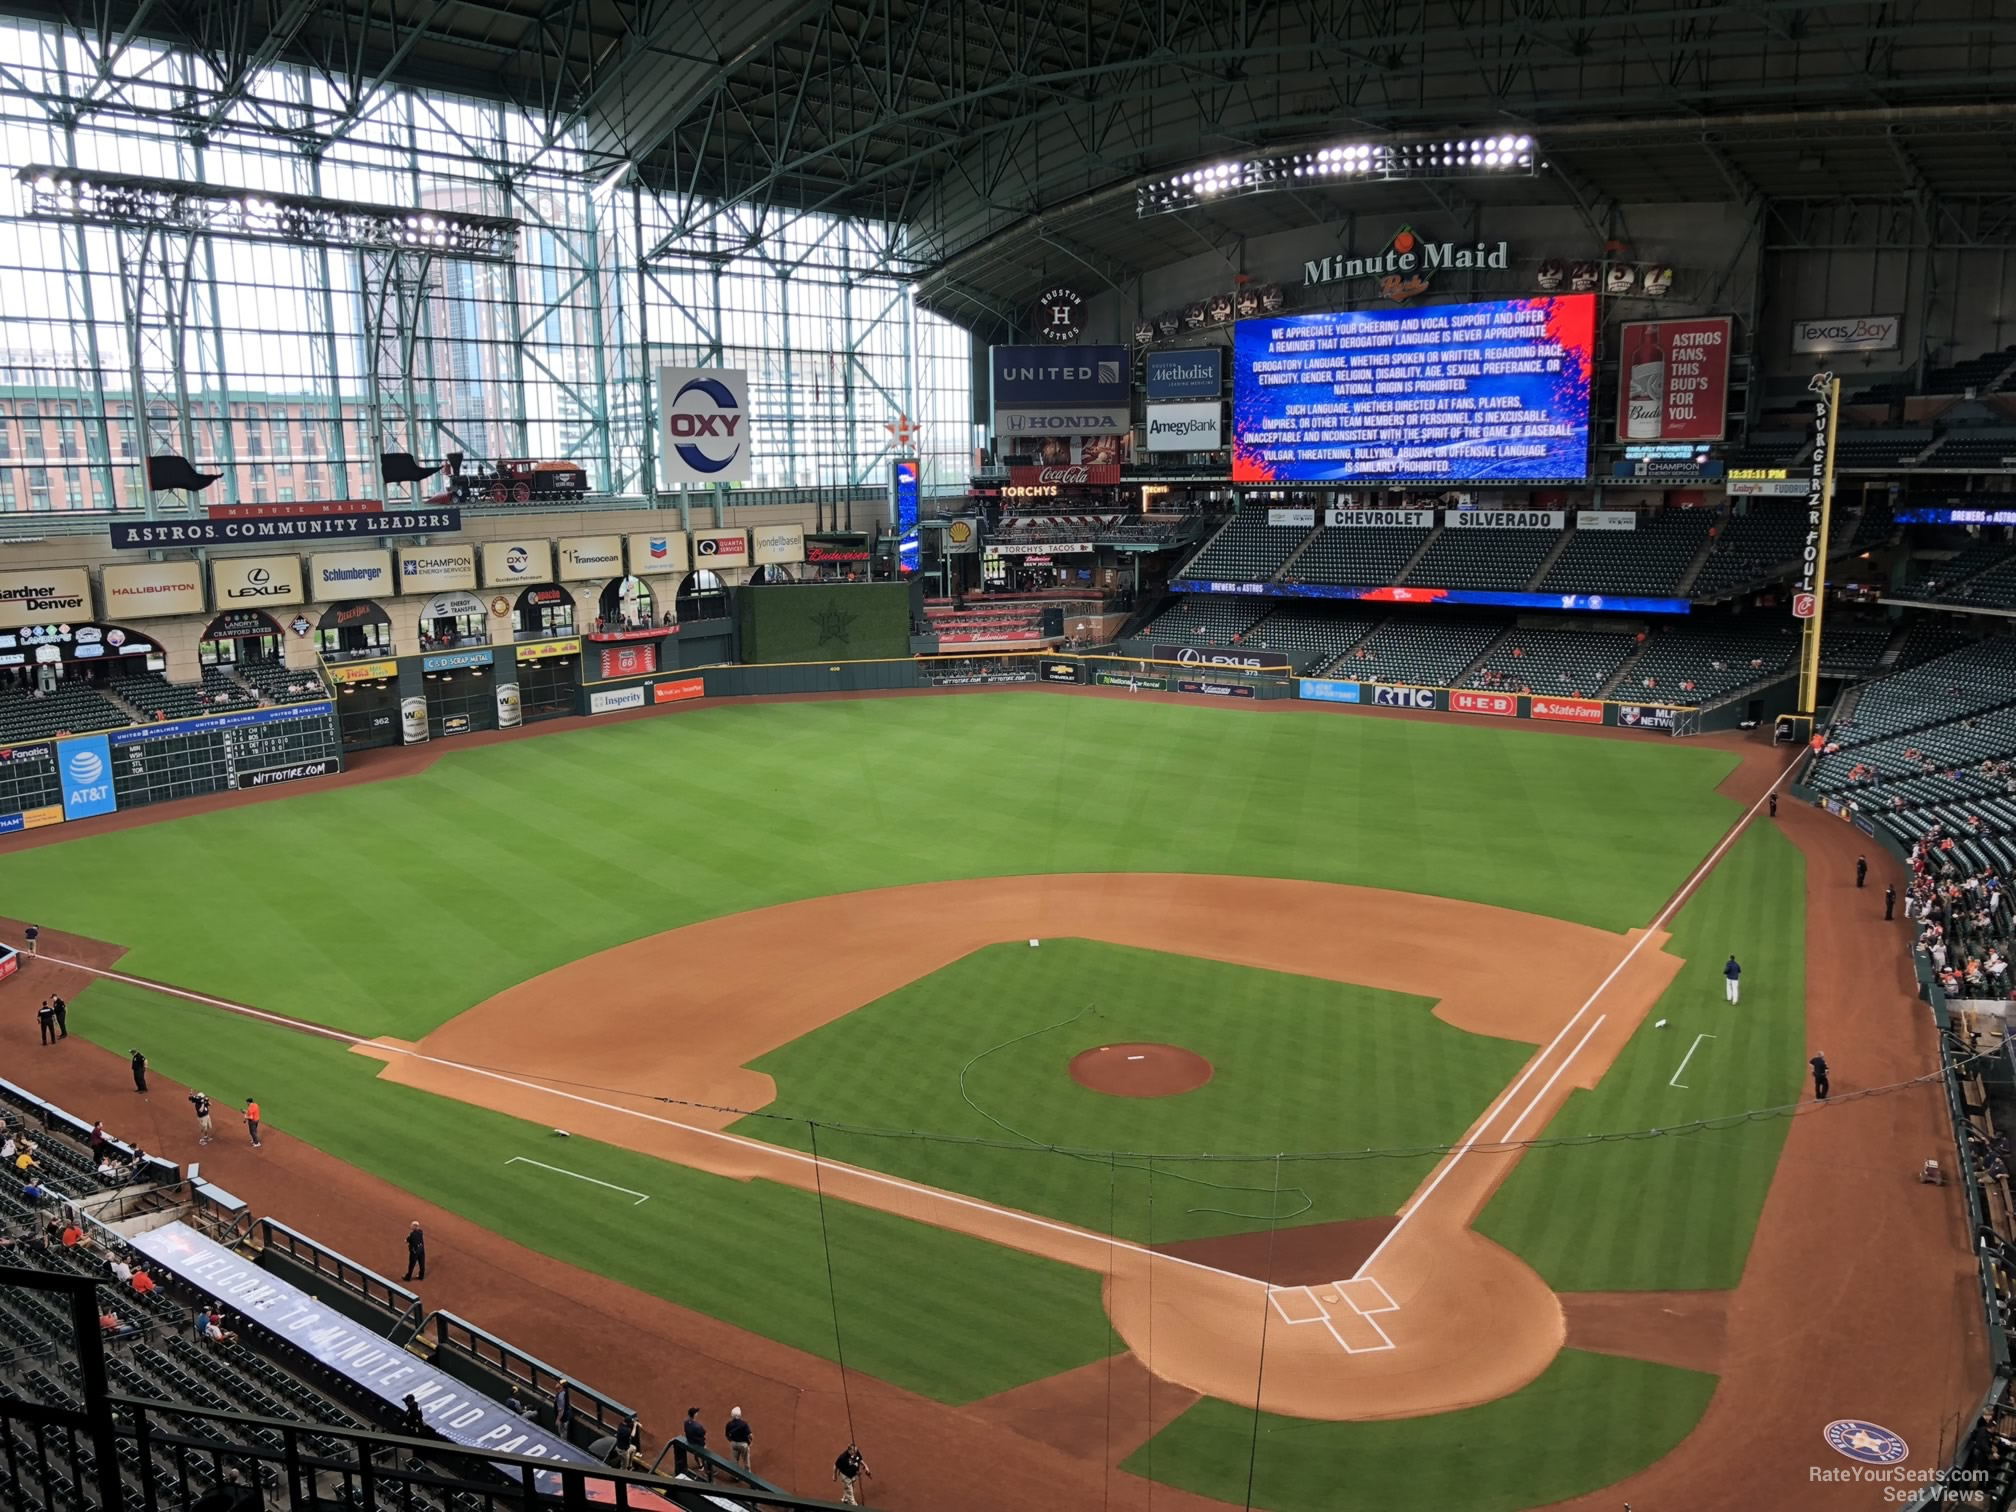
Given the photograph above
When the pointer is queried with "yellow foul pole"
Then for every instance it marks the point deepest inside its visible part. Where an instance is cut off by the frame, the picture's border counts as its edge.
(1809, 594)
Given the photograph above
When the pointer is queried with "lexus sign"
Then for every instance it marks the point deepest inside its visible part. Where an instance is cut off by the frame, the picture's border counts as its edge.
(1213, 656)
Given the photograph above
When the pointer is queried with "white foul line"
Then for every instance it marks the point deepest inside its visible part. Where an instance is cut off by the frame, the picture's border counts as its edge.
(559, 1171)
(1499, 1103)
(781, 1152)
(1548, 1086)
(1686, 1058)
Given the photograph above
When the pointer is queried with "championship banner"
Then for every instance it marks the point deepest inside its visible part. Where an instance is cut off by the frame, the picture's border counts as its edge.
(255, 582)
(1644, 717)
(335, 575)
(429, 569)
(1504, 705)
(151, 590)
(1568, 710)
(656, 552)
(1192, 656)
(45, 596)
(588, 558)
(516, 563)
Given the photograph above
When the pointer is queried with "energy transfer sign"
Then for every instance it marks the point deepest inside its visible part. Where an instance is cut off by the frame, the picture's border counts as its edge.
(704, 413)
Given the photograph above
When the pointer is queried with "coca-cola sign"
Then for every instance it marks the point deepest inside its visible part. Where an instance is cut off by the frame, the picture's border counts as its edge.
(1065, 475)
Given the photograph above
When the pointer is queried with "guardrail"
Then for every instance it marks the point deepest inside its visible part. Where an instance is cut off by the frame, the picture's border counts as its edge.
(453, 1336)
(359, 1282)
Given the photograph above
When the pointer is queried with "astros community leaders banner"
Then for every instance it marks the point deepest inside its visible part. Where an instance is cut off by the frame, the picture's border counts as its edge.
(704, 414)
(149, 590)
(47, 595)
(283, 529)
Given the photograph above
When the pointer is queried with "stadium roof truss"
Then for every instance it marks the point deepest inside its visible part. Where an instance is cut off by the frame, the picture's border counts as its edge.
(1007, 138)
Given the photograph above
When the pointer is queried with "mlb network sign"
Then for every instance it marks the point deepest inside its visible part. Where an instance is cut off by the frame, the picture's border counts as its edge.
(86, 765)
(705, 416)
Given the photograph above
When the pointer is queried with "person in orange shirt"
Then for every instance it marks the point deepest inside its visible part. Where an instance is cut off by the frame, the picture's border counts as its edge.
(72, 1236)
(144, 1283)
(252, 1120)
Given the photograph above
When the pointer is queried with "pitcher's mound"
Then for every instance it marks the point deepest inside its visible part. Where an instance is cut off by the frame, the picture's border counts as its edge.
(1140, 1070)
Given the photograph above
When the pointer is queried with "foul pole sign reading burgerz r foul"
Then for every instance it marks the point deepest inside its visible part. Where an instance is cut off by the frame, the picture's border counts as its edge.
(1811, 586)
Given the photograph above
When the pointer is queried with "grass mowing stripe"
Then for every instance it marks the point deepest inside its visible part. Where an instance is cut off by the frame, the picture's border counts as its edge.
(433, 892)
(1589, 1421)
(903, 1288)
(1299, 1063)
(1677, 1213)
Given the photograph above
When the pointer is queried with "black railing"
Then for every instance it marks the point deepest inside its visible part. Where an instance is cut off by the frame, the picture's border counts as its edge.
(110, 1452)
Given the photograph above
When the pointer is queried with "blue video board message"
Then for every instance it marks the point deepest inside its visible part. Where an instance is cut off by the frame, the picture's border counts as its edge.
(1471, 393)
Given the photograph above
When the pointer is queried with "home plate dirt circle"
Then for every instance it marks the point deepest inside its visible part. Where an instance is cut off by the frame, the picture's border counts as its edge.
(1140, 1070)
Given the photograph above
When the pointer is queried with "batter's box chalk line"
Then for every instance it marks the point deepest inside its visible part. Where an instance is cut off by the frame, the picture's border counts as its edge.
(1312, 1304)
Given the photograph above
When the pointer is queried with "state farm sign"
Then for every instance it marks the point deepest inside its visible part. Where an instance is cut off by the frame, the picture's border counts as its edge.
(1065, 475)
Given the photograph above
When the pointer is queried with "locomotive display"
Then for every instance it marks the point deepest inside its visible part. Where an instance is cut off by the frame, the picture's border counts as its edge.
(513, 480)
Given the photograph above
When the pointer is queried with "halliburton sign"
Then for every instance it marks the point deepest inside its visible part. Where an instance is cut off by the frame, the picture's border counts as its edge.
(1065, 475)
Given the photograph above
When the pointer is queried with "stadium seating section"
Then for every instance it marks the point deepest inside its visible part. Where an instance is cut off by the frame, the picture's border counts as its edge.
(1423, 653)
(1200, 620)
(1898, 446)
(1247, 550)
(1952, 578)
(1357, 558)
(1572, 663)
(1310, 633)
(71, 708)
(1686, 665)
(281, 685)
(1751, 544)
(1494, 559)
(1652, 560)
(990, 624)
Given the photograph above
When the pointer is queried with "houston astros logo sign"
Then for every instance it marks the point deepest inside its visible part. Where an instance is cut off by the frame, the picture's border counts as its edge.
(1866, 1443)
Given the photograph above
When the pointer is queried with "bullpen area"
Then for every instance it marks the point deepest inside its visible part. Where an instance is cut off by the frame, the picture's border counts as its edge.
(1291, 1107)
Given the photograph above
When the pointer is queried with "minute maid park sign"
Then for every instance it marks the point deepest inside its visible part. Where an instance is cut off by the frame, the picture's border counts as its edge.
(1404, 268)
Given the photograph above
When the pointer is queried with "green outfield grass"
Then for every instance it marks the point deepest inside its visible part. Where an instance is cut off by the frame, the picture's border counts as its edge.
(1588, 1422)
(388, 907)
(1299, 1064)
(1677, 1213)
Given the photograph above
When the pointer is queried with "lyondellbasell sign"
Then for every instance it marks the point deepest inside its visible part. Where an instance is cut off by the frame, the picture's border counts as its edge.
(1407, 264)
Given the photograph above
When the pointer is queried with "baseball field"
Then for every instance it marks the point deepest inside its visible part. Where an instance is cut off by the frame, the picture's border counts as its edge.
(1307, 1063)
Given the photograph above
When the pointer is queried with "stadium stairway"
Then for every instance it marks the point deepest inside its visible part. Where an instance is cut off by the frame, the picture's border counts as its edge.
(1414, 561)
(1695, 568)
(1547, 562)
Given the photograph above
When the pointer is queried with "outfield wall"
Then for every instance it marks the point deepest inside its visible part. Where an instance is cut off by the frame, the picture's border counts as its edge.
(1656, 719)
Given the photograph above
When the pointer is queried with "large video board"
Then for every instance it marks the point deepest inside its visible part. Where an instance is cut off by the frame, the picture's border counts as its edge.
(1470, 393)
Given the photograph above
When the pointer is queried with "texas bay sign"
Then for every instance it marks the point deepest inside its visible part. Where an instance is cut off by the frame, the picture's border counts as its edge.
(1404, 267)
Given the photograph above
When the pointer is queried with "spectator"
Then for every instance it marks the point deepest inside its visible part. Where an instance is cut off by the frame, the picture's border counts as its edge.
(628, 1441)
(410, 1422)
(122, 1273)
(34, 1191)
(739, 1434)
(144, 1283)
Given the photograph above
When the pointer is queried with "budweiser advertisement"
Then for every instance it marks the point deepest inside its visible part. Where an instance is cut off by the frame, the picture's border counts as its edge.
(1065, 475)
(1569, 710)
(1503, 704)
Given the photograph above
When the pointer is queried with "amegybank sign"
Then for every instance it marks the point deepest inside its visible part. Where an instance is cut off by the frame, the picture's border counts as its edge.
(1186, 427)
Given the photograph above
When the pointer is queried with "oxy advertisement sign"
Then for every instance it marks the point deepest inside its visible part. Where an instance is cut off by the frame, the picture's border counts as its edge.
(45, 596)
(1326, 690)
(1186, 427)
(654, 552)
(1568, 710)
(1192, 373)
(334, 575)
(255, 582)
(1673, 383)
(586, 558)
(85, 765)
(517, 563)
(429, 569)
(1847, 333)
(151, 590)
(1463, 701)
(704, 413)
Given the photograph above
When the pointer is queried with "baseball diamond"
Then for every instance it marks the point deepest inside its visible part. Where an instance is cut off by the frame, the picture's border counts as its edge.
(775, 756)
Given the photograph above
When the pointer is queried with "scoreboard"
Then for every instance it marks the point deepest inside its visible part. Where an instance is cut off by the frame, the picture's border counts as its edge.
(28, 783)
(246, 749)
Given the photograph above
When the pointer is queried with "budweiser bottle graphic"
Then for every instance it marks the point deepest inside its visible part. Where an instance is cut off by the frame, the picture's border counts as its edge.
(1645, 397)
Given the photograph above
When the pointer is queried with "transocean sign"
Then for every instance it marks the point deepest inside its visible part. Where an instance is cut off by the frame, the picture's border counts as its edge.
(1404, 268)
